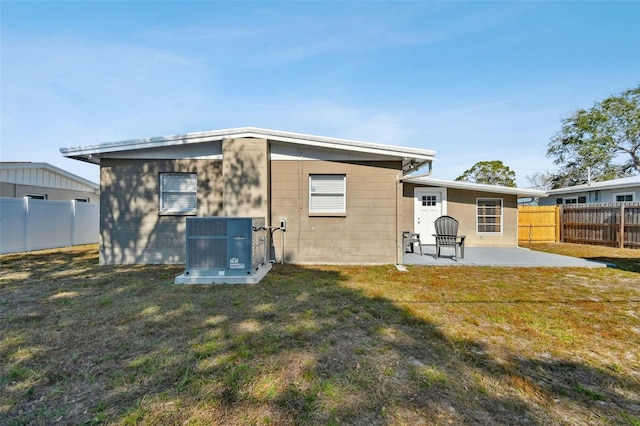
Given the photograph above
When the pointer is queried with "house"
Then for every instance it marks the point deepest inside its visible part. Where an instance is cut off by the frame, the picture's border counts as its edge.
(488, 214)
(42, 181)
(343, 201)
(340, 199)
(610, 191)
(43, 206)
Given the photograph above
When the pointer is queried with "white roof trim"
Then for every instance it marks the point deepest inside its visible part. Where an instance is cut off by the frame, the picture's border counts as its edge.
(51, 168)
(87, 153)
(520, 192)
(597, 186)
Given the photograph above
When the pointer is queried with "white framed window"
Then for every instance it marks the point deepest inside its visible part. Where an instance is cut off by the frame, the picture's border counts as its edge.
(37, 196)
(622, 197)
(178, 193)
(489, 215)
(327, 194)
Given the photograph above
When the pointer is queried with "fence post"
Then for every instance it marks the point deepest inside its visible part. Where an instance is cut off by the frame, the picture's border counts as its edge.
(621, 225)
(73, 222)
(27, 234)
(559, 218)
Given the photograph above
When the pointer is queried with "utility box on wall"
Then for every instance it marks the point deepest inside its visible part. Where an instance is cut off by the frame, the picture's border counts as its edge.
(224, 250)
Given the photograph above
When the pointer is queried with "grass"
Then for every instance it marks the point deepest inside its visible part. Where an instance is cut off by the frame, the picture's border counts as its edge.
(625, 259)
(88, 344)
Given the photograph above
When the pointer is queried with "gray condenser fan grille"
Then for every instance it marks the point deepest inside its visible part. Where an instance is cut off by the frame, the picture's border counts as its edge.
(206, 244)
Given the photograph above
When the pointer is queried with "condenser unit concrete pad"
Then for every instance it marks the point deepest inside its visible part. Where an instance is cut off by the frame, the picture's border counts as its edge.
(255, 278)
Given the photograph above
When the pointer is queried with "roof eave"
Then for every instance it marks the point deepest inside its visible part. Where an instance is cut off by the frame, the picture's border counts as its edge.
(51, 168)
(91, 153)
(519, 192)
(410, 165)
(574, 190)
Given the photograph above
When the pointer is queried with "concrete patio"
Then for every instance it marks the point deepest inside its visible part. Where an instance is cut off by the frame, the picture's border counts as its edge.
(496, 256)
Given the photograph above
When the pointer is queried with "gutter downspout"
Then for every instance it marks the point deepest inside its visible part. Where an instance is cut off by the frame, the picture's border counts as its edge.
(399, 198)
(427, 174)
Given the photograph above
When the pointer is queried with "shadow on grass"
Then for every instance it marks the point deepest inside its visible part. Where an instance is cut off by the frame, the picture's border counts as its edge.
(626, 264)
(624, 259)
(89, 344)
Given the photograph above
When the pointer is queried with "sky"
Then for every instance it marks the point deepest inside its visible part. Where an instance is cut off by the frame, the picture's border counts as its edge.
(472, 80)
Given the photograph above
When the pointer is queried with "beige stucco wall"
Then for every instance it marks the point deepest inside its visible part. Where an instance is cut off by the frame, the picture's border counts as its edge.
(366, 234)
(407, 206)
(239, 185)
(461, 204)
(245, 174)
(131, 231)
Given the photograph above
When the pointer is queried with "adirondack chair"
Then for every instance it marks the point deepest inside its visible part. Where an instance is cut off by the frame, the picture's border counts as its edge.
(408, 239)
(447, 236)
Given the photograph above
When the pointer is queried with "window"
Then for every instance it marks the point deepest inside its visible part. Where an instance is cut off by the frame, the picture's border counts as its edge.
(82, 200)
(37, 196)
(573, 200)
(489, 215)
(327, 194)
(178, 193)
(429, 200)
(620, 198)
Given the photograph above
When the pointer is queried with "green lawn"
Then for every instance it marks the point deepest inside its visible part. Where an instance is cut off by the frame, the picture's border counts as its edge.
(83, 344)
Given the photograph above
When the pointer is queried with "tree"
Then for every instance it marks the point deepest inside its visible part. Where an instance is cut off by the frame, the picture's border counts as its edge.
(490, 173)
(603, 142)
(541, 181)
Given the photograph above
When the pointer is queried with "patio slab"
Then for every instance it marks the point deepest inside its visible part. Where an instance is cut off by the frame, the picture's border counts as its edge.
(497, 256)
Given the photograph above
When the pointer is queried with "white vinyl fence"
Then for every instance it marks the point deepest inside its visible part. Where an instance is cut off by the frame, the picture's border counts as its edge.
(27, 224)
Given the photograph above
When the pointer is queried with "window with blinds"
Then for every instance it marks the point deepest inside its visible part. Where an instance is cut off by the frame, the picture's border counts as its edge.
(489, 215)
(178, 193)
(327, 194)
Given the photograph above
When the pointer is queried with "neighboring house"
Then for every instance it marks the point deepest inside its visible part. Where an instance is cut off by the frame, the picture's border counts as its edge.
(343, 201)
(488, 214)
(42, 181)
(610, 191)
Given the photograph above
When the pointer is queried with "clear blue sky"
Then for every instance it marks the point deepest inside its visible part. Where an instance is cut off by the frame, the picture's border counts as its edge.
(472, 80)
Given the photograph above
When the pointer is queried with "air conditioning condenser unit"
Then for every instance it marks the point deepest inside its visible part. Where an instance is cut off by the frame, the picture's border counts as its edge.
(224, 250)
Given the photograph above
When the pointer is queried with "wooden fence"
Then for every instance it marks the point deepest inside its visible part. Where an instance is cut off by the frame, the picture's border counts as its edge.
(538, 224)
(607, 224)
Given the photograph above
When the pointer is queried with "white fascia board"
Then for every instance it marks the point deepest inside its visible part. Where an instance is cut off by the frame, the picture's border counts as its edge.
(598, 186)
(560, 191)
(520, 192)
(249, 132)
(336, 143)
(135, 144)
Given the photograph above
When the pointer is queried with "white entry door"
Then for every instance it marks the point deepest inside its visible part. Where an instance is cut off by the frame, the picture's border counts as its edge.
(430, 204)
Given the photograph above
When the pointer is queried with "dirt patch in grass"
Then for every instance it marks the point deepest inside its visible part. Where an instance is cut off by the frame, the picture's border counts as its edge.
(81, 343)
